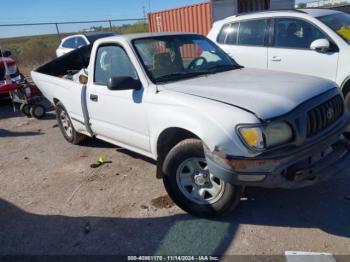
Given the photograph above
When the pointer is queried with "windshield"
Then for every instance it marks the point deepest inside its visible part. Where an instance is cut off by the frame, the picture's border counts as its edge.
(176, 57)
(340, 23)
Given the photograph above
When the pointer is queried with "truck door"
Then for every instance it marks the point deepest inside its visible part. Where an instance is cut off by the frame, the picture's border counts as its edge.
(117, 115)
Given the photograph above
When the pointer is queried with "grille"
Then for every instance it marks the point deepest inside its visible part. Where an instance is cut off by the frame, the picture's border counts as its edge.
(324, 115)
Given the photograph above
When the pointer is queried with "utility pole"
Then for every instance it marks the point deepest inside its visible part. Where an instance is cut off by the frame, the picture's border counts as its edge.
(144, 13)
(58, 32)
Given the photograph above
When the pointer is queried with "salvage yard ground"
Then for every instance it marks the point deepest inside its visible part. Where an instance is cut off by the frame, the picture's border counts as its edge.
(52, 202)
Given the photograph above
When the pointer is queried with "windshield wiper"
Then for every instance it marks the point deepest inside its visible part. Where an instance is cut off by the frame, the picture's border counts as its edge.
(179, 76)
(211, 70)
(222, 68)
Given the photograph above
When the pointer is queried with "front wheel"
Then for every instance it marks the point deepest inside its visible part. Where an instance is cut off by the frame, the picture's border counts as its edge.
(192, 187)
(67, 127)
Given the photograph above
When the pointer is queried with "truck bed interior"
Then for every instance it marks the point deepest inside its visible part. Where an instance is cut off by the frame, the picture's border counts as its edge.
(70, 62)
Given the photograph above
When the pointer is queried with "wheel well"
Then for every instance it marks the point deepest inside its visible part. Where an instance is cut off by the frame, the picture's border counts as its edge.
(56, 101)
(346, 87)
(167, 140)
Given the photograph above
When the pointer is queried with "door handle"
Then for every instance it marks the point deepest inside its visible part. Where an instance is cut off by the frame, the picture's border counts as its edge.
(93, 97)
(276, 59)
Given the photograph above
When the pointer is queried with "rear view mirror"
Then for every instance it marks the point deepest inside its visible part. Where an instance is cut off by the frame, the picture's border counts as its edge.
(320, 45)
(7, 53)
(123, 83)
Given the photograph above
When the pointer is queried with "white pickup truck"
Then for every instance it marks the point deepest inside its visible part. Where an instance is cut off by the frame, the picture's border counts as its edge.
(212, 126)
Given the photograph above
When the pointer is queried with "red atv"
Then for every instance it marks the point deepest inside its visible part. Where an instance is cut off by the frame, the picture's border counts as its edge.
(23, 94)
(8, 72)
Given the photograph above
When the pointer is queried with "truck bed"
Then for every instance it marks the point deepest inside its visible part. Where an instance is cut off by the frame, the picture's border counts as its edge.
(75, 60)
(56, 87)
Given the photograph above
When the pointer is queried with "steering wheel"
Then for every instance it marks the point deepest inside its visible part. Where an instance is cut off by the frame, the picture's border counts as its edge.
(193, 64)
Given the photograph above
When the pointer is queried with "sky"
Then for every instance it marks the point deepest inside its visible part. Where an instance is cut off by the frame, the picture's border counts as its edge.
(39, 11)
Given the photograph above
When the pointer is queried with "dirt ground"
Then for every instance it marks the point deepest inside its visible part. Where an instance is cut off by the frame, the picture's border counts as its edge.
(52, 202)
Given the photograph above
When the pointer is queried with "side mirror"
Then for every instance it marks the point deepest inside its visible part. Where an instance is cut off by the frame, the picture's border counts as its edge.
(123, 83)
(320, 45)
(83, 79)
(7, 53)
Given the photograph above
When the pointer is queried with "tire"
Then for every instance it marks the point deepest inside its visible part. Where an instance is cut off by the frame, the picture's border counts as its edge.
(185, 176)
(347, 107)
(25, 109)
(66, 126)
(37, 111)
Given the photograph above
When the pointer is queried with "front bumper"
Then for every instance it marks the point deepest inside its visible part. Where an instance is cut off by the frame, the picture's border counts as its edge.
(307, 166)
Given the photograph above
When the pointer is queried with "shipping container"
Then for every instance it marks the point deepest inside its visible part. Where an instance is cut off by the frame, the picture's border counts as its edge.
(193, 18)
(198, 18)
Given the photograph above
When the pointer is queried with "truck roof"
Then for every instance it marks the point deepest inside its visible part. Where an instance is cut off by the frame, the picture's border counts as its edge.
(93, 36)
(130, 37)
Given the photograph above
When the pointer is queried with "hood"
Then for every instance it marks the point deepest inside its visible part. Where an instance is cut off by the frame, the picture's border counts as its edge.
(265, 93)
(9, 61)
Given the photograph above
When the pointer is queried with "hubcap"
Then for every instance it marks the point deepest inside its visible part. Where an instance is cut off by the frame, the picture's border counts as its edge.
(66, 124)
(197, 184)
(39, 111)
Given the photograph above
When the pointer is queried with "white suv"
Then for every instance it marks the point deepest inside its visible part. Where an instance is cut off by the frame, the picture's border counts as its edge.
(73, 42)
(306, 41)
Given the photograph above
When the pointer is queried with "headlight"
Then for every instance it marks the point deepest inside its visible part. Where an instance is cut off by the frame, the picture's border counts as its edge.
(253, 137)
(263, 137)
(11, 70)
(277, 134)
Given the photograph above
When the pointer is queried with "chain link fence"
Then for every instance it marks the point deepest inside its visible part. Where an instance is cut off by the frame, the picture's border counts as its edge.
(33, 44)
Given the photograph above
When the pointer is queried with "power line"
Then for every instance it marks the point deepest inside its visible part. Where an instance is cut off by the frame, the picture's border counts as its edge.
(75, 22)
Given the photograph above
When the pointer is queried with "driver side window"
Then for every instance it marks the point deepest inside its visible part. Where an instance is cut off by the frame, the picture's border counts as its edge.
(112, 60)
(295, 33)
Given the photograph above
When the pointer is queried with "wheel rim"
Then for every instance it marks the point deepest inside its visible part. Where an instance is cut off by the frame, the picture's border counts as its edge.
(39, 111)
(66, 124)
(197, 183)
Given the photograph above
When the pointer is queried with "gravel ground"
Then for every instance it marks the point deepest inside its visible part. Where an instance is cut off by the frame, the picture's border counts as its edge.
(52, 202)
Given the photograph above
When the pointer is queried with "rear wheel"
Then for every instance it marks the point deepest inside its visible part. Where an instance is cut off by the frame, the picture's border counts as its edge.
(38, 111)
(25, 109)
(66, 126)
(192, 187)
